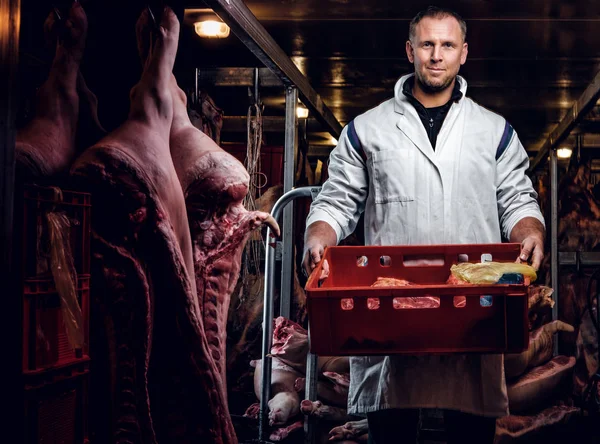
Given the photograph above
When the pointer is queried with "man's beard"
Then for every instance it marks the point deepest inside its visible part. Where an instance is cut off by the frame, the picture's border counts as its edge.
(428, 87)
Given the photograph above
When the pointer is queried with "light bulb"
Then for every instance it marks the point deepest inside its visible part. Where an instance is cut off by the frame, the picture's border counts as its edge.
(301, 112)
(564, 153)
(211, 28)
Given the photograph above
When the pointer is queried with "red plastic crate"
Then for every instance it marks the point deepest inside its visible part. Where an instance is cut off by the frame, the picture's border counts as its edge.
(56, 409)
(45, 341)
(359, 330)
(37, 203)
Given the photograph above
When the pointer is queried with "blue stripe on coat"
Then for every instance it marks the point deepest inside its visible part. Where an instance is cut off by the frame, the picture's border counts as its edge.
(354, 141)
(505, 140)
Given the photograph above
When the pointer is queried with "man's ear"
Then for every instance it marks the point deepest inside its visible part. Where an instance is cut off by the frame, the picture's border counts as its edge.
(410, 52)
(465, 51)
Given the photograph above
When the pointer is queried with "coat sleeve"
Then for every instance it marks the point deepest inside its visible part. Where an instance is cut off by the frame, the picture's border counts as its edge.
(515, 194)
(342, 197)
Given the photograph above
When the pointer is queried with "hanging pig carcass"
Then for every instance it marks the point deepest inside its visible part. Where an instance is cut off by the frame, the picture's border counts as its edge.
(168, 232)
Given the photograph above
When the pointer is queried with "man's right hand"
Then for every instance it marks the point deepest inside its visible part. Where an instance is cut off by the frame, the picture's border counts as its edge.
(312, 256)
(318, 236)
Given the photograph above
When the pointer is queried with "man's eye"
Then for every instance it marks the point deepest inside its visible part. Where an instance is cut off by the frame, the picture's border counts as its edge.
(448, 45)
(426, 44)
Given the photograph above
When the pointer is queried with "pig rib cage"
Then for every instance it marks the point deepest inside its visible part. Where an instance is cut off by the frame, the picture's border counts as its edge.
(267, 339)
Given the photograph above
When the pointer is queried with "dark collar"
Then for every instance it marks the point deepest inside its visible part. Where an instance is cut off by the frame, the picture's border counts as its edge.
(409, 84)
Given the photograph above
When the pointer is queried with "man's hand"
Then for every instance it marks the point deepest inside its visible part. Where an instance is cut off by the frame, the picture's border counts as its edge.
(318, 236)
(530, 233)
(532, 250)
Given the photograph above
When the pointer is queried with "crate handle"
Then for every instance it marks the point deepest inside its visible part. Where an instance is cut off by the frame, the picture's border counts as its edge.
(424, 260)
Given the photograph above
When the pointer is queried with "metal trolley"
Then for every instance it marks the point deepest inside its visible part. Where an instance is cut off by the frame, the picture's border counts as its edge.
(267, 339)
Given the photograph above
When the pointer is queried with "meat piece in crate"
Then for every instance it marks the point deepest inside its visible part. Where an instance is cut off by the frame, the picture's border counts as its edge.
(348, 316)
(46, 340)
(36, 250)
(56, 406)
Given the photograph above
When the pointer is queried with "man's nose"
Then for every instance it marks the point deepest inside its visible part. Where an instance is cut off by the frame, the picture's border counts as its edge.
(436, 54)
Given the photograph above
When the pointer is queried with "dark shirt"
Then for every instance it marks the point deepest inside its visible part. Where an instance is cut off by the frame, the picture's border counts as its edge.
(432, 118)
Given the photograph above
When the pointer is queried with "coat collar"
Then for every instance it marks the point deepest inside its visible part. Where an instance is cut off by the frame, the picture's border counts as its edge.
(401, 101)
(410, 123)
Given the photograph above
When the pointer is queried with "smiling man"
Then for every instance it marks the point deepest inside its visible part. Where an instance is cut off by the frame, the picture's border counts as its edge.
(429, 166)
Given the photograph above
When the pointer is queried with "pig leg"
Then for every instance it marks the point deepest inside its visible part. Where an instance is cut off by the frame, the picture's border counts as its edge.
(284, 432)
(352, 430)
(214, 184)
(89, 130)
(252, 411)
(539, 351)
(319, 410)
(338, 379)
(46, 146)
(336, 395)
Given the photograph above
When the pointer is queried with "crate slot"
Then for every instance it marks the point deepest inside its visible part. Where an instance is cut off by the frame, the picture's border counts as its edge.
(459, 301)
(347, 304)
(385, 261)
(418, 302)
(486, 300)
(373, 303)
(362, 261)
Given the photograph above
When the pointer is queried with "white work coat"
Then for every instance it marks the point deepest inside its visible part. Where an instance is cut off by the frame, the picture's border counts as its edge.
(459, 193)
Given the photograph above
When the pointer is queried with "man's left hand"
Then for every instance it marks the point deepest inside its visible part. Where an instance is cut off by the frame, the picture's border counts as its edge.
(532, 250)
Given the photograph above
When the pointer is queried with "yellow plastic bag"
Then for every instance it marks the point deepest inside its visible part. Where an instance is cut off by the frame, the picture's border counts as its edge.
(65, 277)
(490, 272)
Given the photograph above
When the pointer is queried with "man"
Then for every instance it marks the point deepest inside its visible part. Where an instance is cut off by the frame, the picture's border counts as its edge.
(429, 166)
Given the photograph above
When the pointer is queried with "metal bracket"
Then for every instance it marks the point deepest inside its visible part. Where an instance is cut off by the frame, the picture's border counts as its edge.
(278, 250)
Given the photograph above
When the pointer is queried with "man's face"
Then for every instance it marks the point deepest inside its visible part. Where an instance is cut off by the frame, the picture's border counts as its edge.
(437, 51)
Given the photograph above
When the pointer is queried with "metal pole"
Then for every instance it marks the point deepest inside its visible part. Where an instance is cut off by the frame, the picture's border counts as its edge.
(195, 103)
(554, 234)
(10, 23)
(265, 394)
(311, 394)
(291, 148)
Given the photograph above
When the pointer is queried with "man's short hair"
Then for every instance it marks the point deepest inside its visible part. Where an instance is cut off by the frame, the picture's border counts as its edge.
(439, 13)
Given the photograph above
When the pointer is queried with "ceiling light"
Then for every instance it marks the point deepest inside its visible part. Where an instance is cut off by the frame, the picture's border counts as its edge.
(564, 153)
(301, 112)
(211, 29)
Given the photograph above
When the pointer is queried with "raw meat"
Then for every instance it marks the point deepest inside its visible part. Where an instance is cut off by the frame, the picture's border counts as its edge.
(284, 432)
(453, 280)
(416, 302)
(390, 282)
(512, 427)
(539, 352)
(331, 394)
(351, 430)
(285, 401)
(283, 406)
(537, 385)
(290, 342)
(253, 411)
(342, 380)
(578, 231)
(214, 185)
(540, 302)
(321, 411)
(46, 146)
(207, 117)
(165, 383)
